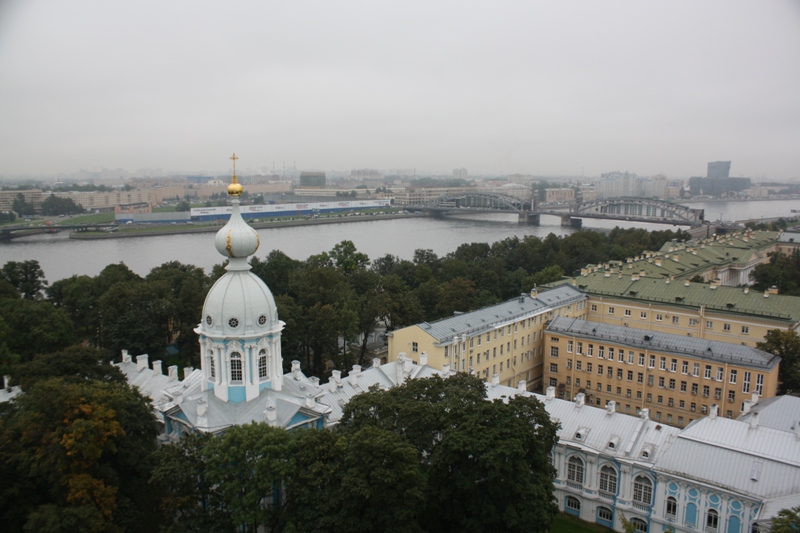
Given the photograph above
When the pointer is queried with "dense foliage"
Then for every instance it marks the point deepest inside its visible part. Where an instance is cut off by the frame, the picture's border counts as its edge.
(431, 455)
(782, 272)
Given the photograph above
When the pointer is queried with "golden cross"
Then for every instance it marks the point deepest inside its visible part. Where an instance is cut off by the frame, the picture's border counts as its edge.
(234, 158)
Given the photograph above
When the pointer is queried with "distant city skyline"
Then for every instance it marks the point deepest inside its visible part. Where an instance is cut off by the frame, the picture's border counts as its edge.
(541, 88)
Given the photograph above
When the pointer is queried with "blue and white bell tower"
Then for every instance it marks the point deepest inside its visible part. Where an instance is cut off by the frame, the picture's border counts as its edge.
(240, 334)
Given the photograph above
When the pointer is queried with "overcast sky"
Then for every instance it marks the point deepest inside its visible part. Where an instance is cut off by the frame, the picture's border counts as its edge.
(556, 87)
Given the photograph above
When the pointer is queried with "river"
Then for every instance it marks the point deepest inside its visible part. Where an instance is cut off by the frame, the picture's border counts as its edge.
(61, 257)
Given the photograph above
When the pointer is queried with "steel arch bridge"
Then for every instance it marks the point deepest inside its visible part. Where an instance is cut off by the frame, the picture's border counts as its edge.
(478, 200)
(642, 209)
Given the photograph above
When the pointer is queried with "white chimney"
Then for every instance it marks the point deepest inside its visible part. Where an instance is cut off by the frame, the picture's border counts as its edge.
(446, 369)
(141, 362)
(746, 407)
(754, 398)
(310, 402)
(354, 375)
(580, 398)
(202, 407)
(712, 414)
(271, 413)
(173, 372)
(336, 375)
(423, 358)
(611, 407)
(126, 357)
(376, 362)
(645, 413)
(408, 364)
(495, 380)
(753, 420)
(296, 370)
(332, 384)
(550, 393)
(187, 371)
(157, 367)
(521, 385)
(314, 381)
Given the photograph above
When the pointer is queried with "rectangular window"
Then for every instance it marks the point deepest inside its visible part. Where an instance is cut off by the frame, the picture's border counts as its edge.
(694, 388)
(670, 402)
(608, 388)
(675, 320)
(621, 355)
(501, 367)
(641, 359)
(726, 327)
(659, 317)
(515, 344)
(693, 321)
(696, 369)
(661, 381)
(640, 377)
(672, 384)
(681, 404)
(638, 395)
(630, 375)
(610, 310)
(733, 377)
(731, 396)
(414, 347)
(709, 324)
(717, 393)
(577, 382)
(593, 308)
(673, 365)
(611, 372)
(650, 380)
(650, 398)
(569, 346)
(579, 349)
(706, 391)
(627, 312)
(590, 350)
(630, 357)
(693, 406)
(707, 373)
(569, 364)
(600, 369)
(479, 358)
(553, 382)
(589, 367)
(643, 315)
(746, 383)
(619, 373)
(628, 393)
(720, 373)
(652, 362)
(494, 371)
(601, 352)
(745, 330)
(501, 349)
(470, 361)
(660, 399)
(479, 339)
(662, 363)
(488, 337)
(578, 365)
(759, 384)
(611, 354)
(472, 343)
(685, 367)
(683, 386)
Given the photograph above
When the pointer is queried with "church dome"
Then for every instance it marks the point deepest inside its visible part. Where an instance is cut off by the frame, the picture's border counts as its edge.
(239, 305)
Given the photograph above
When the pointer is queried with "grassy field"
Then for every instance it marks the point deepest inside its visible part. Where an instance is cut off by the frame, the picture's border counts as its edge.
(565, 523)
(95, 218)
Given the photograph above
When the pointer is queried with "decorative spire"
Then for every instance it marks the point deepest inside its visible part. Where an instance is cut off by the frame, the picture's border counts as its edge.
(235, 189)
(236, 240)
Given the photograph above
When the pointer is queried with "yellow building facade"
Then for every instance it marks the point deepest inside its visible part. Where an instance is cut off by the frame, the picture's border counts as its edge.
(677, 378)
(502, 342)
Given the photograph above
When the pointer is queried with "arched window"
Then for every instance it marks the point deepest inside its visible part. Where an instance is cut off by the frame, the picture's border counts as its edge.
(642, 490)
(672, 508)
(608, 480)
(575, 470)
(604, 513)
(639, 524)
(712, 521)
(236, 366)
(262, 364)
(573, 503)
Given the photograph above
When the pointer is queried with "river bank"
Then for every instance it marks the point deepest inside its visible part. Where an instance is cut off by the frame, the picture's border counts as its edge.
(183, 229)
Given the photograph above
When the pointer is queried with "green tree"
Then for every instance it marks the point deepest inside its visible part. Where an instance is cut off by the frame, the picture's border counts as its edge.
(247, 464)
(190, 503)
(786, 345)
(787, 521)
(782, 272)
(21, 207)
(37, 327)
(76, 364)
(54, 205)
(79, 457)
(27, 277)
(468, 448)
(183, 206)
(364, 482)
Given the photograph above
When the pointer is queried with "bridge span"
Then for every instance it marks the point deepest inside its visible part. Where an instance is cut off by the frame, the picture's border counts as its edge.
(623, 208)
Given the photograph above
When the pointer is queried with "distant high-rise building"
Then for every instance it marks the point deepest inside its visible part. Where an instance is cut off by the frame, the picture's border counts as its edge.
(460, 173)
(719, 169)
(312, 179)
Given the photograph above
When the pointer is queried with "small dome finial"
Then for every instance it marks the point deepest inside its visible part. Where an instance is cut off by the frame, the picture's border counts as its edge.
(235, 189)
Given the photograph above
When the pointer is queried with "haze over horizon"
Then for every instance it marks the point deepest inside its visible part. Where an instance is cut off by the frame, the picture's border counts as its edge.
(545, 88)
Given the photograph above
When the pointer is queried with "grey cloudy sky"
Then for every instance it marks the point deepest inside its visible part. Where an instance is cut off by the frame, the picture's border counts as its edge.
(557, 87)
